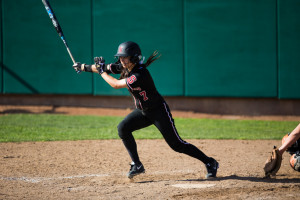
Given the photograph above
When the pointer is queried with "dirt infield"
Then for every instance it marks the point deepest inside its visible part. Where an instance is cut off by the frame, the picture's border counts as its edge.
(8, 109)
(97, 169)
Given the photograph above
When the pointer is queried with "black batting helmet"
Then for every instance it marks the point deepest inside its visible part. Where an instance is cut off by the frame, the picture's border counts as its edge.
(130, 49)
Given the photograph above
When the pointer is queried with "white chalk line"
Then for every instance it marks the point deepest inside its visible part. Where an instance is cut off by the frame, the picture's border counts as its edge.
(193, 186)
(43, 179)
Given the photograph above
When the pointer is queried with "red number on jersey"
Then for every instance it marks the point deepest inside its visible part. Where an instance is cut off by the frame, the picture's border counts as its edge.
(143, 93)
(131, 79)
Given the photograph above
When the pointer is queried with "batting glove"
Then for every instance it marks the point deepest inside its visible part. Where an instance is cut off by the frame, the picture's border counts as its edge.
(100, 64)
(77, 67)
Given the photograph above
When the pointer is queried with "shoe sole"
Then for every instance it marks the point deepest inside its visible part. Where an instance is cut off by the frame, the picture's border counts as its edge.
(208, 176)
(130, 176)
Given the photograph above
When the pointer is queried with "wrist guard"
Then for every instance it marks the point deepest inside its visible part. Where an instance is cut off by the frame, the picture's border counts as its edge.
(86, 68)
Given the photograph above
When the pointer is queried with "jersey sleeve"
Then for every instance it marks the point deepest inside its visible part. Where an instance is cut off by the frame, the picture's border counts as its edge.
(133, 81)
(115, 68)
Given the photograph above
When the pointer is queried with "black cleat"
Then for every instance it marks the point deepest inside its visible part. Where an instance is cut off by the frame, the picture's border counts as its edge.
(212, 169)
(135, 170)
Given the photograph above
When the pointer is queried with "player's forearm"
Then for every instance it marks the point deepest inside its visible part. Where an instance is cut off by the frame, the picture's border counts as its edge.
(113, 82)
(93, 68)
(88, 68)
(291, 139)
(116, 69)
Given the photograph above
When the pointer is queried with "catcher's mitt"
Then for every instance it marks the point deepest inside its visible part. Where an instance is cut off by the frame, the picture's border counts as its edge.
(273, 163)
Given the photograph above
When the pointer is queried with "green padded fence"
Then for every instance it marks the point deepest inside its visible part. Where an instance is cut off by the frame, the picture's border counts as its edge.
(210, 48)
(289, 49)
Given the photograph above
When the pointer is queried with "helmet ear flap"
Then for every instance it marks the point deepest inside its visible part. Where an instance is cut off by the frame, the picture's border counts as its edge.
(136, 58)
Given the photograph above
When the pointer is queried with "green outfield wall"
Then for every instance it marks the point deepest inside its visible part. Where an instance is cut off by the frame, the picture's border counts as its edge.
(210, 48)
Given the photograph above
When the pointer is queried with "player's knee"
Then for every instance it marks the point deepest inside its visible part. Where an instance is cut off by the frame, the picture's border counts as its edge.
(294, 147)
(122, 130)
(178, 147)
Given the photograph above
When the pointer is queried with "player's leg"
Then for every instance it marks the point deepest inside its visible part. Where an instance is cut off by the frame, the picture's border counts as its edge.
(165, 123)
(134, 121)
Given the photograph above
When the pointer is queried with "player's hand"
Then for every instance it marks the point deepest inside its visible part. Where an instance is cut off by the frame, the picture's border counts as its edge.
(100, 64)
(77, 67)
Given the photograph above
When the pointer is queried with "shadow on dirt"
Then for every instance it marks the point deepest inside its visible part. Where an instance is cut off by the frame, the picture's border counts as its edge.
(248, 178)
(52, 110)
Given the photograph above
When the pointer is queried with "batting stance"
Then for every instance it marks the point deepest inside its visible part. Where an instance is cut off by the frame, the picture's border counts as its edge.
(291, 144)
(151, 108)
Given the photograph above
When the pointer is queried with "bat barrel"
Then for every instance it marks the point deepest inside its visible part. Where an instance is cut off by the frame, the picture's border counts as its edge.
(57, 26)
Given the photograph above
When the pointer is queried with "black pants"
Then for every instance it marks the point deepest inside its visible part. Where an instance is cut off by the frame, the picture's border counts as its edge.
(162, 118)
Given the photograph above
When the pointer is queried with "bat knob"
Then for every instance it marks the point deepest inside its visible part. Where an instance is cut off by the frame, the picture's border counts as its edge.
(78, 72)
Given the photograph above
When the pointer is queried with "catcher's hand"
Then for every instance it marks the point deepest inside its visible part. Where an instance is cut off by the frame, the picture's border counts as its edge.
(273, 163)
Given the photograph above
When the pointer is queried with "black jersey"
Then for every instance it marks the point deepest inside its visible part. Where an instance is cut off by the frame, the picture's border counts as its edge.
(141, 86)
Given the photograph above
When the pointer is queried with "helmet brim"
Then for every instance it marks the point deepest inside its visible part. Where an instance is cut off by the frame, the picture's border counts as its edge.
(121, 54)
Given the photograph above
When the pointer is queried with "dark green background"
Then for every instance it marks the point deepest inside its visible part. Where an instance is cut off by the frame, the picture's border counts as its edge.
(210, 48)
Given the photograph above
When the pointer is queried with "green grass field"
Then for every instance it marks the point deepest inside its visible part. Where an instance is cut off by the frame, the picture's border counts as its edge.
(52, 127)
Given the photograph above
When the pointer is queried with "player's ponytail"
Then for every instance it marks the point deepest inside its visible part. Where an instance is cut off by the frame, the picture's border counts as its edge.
(152, 58)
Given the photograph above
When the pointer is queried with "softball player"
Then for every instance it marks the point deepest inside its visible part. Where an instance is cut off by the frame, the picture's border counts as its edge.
(151, 108)
(291, 144)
